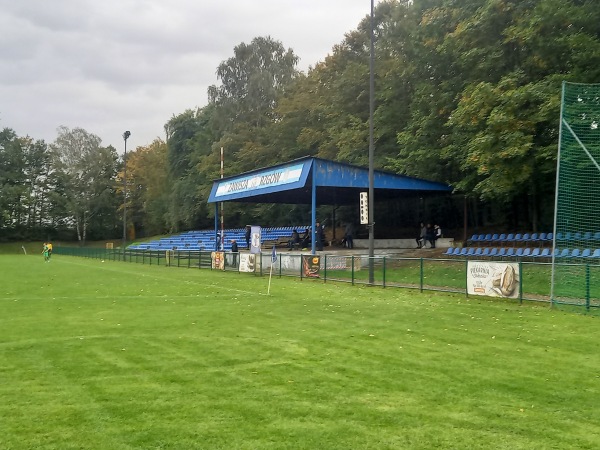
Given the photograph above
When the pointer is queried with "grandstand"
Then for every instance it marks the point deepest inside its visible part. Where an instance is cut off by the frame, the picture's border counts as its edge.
(204, 240)
(570, 247)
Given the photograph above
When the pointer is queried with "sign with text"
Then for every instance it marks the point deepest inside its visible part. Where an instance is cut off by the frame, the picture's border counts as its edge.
(260, 180)
(311, 265)
(255, 238)
(247, 262)
(493, 279)
(217, 260)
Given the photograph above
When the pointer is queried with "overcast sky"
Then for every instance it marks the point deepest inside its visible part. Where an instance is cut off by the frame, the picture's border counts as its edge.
(113, 65)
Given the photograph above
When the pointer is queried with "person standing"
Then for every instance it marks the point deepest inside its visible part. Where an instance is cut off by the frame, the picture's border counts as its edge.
(349, 235)
(422, 234)
(45, 253)
(235, 251)
(247, 236)
(319, 236)
(437, 233)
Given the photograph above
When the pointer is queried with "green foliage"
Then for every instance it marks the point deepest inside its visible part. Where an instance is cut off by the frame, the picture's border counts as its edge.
(466, 93)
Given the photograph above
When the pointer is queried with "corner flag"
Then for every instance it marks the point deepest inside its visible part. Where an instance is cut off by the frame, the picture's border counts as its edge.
(274, 255)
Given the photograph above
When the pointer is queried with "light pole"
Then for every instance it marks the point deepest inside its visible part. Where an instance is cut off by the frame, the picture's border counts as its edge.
(371, 204)
(125, 137)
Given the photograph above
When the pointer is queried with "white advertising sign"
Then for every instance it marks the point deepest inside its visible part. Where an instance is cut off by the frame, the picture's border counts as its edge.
(493, 279)
(247, 262)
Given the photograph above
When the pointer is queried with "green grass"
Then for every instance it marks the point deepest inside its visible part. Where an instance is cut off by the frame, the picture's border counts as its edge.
(127, 356)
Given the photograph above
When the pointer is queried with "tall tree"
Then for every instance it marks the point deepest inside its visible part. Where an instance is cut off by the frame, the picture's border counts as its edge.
(87, 172)
(147, 178)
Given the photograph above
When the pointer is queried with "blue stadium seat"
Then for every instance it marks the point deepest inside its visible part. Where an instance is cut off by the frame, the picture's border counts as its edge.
(587, 236)
(546, 253)
(449, 251)
(463, 251)
(501, 252)
(510, 238)
(535, 253)
(456, 251)
(493, 252)
(575, 253)
(526, 253)
(586, 253)
(519, 252)
(486, 252)
(596, 253)
(510, 252)
(564, 253)
(478, 251)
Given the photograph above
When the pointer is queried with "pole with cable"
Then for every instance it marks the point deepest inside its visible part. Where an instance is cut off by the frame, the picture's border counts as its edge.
(371, 205)
(125, 137)
(222, 215)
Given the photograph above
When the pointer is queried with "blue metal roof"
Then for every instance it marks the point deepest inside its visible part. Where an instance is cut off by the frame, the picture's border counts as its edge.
(336, 184)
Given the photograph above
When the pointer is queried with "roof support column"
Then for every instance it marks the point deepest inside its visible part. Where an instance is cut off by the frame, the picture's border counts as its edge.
(313, 211)
(216, 225)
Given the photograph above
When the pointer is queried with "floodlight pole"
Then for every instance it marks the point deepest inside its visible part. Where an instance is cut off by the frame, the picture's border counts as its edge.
(371, 150)
(125, 137)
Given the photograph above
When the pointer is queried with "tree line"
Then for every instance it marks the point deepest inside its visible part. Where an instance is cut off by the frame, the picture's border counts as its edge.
(467, 93)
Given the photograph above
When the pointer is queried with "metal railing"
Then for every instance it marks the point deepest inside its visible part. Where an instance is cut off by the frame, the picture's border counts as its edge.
(581, 288)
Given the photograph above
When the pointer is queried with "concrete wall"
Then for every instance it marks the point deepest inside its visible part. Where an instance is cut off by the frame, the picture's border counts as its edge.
(401, 243)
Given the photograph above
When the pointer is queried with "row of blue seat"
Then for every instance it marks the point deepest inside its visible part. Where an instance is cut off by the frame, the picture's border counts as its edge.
(205, 240)
(539, 238)
(521, 252)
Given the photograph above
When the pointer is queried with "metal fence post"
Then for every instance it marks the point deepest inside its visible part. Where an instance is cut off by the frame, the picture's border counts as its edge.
(421, 274)
(587, 287)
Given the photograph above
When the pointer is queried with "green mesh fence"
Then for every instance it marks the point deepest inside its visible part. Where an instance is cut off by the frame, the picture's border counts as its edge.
(577, 209)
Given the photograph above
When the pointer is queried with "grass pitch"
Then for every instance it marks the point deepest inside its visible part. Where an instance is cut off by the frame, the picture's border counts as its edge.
(125, 356)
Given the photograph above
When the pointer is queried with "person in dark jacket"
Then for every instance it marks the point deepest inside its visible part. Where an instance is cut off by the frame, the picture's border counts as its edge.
(247, 236)
(430, 235)
(235, 251)
(319, 236)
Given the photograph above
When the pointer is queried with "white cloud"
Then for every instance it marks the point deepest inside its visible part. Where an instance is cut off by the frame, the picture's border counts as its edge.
(107, 66)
